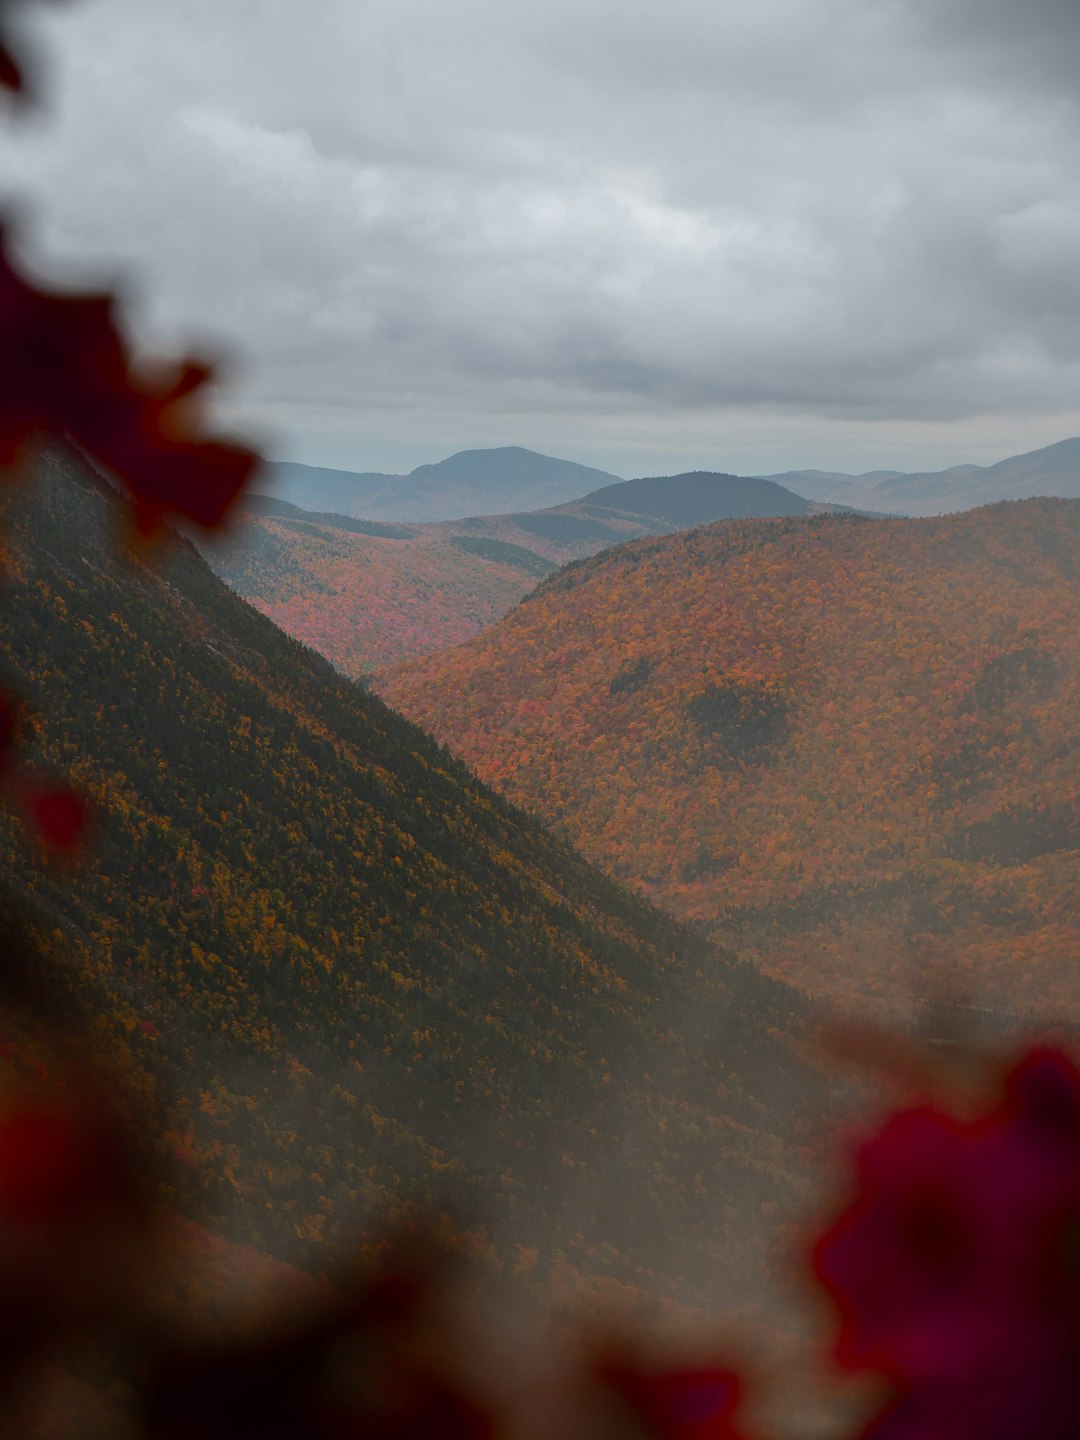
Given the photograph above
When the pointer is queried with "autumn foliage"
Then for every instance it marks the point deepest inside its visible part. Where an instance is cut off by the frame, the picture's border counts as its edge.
(366, 601)
(851, 743)
(368, 595)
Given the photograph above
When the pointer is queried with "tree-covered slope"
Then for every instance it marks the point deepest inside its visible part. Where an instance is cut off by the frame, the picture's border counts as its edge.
(363, 976)
(856, 743)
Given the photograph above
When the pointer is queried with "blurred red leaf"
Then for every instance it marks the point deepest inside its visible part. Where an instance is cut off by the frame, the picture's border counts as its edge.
(10, 74)
(279, 1387)
(434, 1409)
(64, 371)
(956, 1267)
(58, 815)
(682, 1404)
(50, 1167)
(72, 1217)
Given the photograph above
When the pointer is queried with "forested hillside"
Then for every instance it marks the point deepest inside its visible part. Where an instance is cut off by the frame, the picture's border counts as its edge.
(855, 744)
(363, 978)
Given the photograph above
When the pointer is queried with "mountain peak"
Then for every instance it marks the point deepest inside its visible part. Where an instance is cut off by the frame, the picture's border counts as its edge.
(513, 464)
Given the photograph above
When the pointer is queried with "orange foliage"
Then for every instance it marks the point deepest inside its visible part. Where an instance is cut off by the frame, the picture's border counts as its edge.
(910, 792)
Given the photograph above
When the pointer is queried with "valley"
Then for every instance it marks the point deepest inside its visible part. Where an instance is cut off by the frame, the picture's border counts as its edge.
(375, 570)
(500, 946)
(353, 981)
(369, 593)
(354, 987)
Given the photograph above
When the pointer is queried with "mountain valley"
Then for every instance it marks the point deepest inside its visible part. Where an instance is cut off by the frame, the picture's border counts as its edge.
(370, 580)
(354, 980)
(367, 594)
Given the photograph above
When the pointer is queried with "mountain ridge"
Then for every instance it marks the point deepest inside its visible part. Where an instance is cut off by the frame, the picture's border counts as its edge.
(1053, 471)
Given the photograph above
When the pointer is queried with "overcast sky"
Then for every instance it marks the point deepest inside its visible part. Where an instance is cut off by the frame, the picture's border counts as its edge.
(748, 235)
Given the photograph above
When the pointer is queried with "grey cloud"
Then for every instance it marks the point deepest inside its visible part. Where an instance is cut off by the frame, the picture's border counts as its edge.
(490, 207)
(1033, 47)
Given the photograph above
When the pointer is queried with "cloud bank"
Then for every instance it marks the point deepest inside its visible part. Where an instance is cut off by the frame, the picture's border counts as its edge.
(600, 217)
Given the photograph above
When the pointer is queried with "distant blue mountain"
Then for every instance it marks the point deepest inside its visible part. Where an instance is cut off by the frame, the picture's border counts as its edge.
(1054, 470)
(472, 482)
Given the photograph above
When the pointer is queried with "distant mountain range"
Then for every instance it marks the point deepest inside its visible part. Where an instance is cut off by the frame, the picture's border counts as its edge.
(368, 593)
(853, 743)
(1054, 470)
(473, 482)
(508, 479)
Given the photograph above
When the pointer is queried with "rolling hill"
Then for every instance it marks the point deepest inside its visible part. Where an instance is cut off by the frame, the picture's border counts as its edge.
(852, 744)
(355, 979)
(698, 498)
(369, 593)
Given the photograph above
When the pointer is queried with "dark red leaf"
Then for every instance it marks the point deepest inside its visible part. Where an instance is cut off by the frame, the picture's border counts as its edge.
(64, 371)
(10, 74)
(682, 1404)
(7, 728)
(59, 1165)
(956, 1268)
(59, 815)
